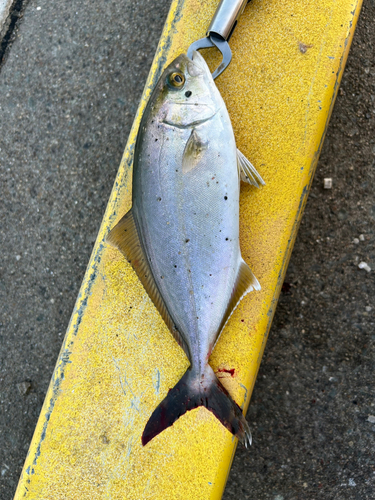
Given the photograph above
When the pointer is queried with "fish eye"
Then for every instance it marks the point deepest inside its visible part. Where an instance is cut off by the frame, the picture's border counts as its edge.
(176, 80)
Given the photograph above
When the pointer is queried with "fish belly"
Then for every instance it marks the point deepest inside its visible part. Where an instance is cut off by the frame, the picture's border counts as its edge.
(189, 225)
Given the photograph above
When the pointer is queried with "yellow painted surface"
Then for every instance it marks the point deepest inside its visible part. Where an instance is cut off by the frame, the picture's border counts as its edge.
(118, 359)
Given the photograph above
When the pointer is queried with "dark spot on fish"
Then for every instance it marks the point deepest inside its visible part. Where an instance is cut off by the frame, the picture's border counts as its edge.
(210, 274)
(175, 267)
(225, 197)
(226, 239)
(188, 93)
(242, 321)
(162, 277)
(187, 240)
(159, 199)
(176, 169)
(155, 140)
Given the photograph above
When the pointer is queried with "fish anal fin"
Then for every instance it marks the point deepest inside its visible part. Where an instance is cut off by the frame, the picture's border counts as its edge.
(245, 283)
(248, 172)
(124, 236)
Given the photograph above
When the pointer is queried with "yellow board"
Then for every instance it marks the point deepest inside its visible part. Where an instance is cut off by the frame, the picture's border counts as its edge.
(118, 359)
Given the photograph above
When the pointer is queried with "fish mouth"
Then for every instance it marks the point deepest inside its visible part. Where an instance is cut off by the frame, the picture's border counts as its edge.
(199, 65)
(198, 59)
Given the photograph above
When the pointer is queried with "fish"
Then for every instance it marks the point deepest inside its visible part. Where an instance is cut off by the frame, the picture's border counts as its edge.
(181, 235)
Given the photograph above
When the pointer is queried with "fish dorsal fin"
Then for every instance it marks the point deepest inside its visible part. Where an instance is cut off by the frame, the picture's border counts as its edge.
(245, 283)
(247, 171)
(124, 236)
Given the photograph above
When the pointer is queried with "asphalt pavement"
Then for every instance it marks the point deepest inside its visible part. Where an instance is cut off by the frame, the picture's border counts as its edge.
(71, 77)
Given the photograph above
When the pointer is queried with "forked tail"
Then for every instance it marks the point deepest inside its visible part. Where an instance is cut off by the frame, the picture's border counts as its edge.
(195, 390)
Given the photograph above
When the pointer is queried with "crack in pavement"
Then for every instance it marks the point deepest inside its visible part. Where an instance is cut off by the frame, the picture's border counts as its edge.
(8, 26)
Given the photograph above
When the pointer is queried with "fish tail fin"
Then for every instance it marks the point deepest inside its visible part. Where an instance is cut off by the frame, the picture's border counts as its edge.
(195, 390)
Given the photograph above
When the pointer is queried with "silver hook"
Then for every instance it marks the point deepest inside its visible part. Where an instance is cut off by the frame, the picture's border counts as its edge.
(219, 32)
(213, 41)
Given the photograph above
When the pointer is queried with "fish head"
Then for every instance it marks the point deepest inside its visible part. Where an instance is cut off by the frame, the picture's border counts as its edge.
(186, 94)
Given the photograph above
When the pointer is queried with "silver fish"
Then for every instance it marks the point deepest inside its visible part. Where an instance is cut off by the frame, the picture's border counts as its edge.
(182, 234)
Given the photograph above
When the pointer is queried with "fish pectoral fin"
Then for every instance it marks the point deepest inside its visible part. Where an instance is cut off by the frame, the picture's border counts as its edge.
(247, 171)
(245, 282)
(193, 151)
(124, 236)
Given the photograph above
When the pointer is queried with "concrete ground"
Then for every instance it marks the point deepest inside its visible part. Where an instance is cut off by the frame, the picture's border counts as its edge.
(70, 79)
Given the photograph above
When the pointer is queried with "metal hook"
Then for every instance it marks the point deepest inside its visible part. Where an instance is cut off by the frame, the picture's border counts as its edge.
(219, 32)
(213, 41)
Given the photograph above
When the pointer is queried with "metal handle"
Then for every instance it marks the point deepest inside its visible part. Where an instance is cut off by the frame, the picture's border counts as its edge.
(226, 17)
